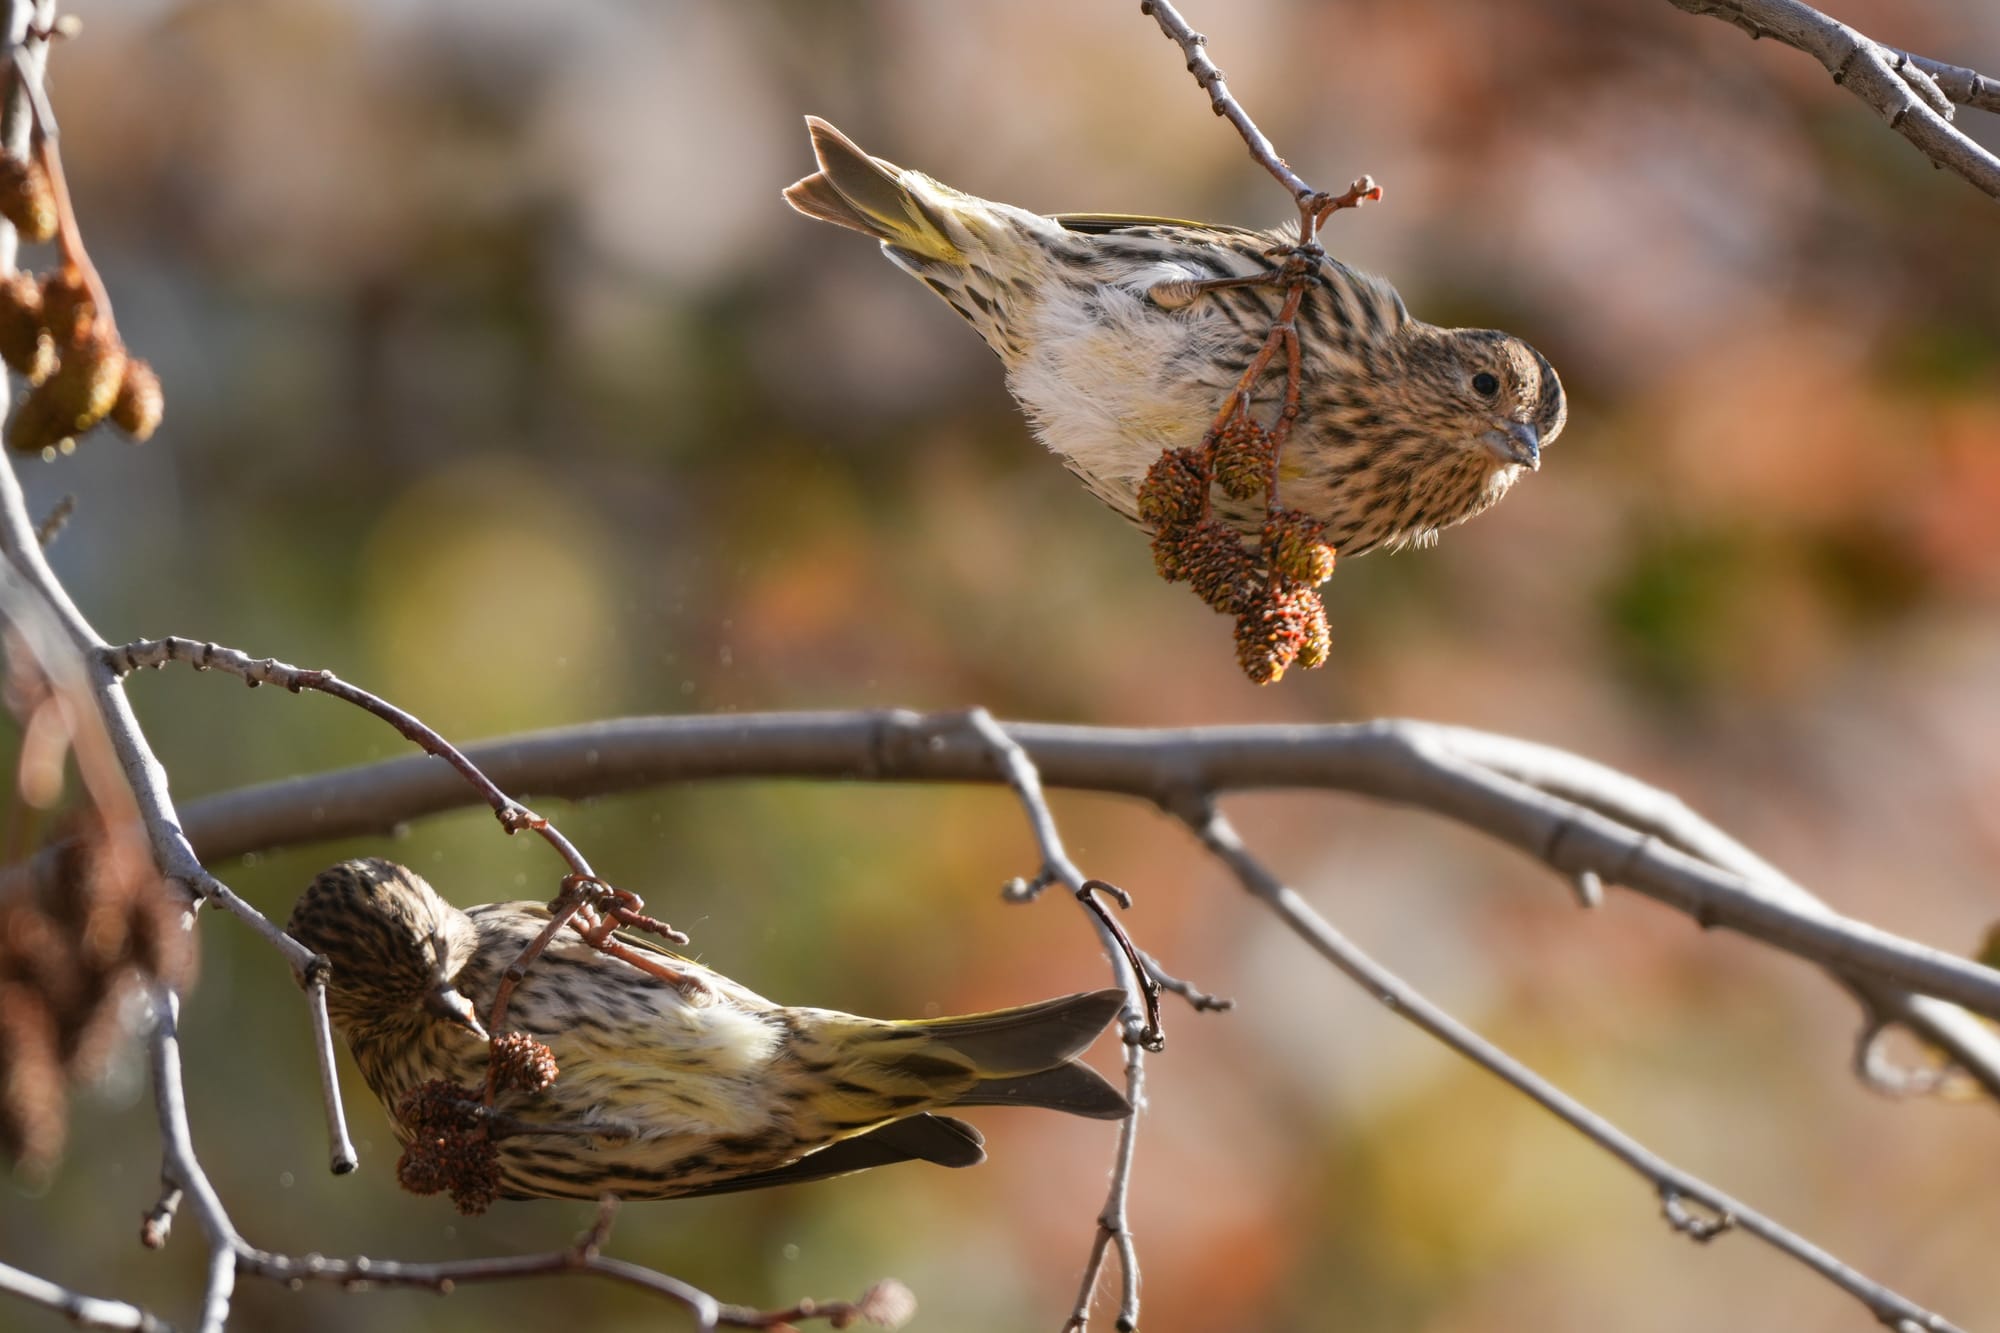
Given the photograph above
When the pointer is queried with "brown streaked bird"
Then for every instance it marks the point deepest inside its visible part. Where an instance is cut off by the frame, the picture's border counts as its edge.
(667, 1090)
(1115, 355)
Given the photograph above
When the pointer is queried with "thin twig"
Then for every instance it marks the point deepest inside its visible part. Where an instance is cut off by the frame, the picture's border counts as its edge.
(69, 236)
(182, 1164)
(1019, 773)
(158, 1223)
(1195, 47)
(1198, 999)
(127, 658)
(1315, 206)
(1669, 1182)
(581, 1258)
(1114, 1227)
(1142, 1017)
(1909, 92)
(341, 1155)
(576, 905)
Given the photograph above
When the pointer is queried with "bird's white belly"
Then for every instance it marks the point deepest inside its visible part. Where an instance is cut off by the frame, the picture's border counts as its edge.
(1110, 381)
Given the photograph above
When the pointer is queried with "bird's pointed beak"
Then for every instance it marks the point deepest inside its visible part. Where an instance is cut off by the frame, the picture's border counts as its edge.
(445, 1001)
(1515, 442)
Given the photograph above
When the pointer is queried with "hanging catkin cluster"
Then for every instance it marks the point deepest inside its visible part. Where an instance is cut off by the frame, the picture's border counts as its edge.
(1271, 590)
(57, 334)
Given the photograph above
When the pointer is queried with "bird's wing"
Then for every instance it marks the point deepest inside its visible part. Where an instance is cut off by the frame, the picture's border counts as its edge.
(1109, 224)
(919, 1138)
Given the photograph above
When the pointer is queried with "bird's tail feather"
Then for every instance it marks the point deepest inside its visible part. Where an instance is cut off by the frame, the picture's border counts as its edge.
(852, 189)
(1030, 1038)
(1073, 1087)
(1027, 1056)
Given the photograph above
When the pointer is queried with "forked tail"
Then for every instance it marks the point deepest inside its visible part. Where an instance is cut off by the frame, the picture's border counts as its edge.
(852, 189)
(1027, 1056)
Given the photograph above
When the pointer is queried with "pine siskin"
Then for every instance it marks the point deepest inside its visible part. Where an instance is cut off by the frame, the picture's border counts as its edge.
(1115, 353)
(661, 1090)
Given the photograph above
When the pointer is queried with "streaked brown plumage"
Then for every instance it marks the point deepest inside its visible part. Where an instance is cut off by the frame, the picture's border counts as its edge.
(669, 1090)
(1405, 427)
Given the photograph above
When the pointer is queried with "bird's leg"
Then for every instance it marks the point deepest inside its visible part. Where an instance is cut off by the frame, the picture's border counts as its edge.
(1239, 397)
(1281, 429)
(601, 939)
(623, 906)
(602, 908)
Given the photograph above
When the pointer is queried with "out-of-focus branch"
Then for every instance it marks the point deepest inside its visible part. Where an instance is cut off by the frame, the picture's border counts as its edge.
(1719, 1212)
(83, 1311)
(25, 27)
(1619, 837)
(1914, 94)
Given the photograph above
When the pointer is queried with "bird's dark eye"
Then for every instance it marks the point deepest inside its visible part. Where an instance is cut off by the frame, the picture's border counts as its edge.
(1486, 383)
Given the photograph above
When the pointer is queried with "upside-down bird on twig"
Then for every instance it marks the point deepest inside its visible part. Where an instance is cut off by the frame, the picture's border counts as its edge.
(618, 1081)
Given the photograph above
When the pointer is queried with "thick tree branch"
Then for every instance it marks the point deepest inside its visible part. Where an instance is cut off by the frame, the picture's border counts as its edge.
(1913, 94)
(1429, 767)
(1542, 799)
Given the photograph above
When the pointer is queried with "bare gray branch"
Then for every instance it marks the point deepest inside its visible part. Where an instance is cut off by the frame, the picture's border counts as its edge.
(1912, 93)
(1433, 768)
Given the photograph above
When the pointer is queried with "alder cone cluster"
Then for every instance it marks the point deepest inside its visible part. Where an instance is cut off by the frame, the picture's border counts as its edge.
(54, 336)
(449, 1150)
(1271, 590)
(71, 951)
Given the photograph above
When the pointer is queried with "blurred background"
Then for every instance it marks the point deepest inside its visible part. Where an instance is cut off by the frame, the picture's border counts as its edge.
(501, 382)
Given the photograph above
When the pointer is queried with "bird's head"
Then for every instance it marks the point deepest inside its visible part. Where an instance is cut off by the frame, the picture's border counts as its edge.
(1489, 390)
(393, 945)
